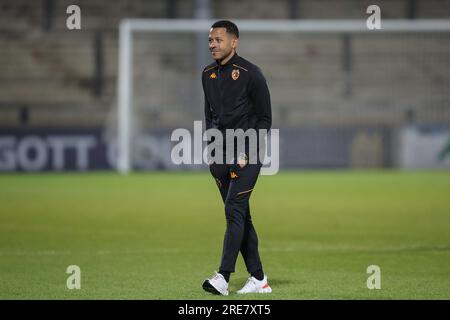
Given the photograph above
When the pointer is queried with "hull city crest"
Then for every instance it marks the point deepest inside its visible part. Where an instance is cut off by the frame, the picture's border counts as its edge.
(235, 74)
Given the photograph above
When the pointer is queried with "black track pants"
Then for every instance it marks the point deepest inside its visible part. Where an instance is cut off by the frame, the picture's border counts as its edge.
(236, 185)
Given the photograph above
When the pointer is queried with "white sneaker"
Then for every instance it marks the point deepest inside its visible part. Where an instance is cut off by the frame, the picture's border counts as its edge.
(253, 285)
(216, 285)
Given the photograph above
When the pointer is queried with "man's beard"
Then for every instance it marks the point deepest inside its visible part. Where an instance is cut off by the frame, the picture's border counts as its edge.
(225, 56)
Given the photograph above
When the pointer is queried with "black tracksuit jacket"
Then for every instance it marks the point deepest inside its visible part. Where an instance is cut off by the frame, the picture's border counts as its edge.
(236, 96)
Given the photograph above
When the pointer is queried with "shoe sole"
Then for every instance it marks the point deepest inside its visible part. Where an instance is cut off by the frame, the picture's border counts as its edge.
(209, 288)
(265, 290)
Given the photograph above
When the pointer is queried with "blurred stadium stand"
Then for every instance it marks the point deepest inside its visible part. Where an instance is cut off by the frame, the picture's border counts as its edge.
(55, 78)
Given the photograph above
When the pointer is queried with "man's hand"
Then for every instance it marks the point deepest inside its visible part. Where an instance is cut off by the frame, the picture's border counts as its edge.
(242, 163)
(242, 160)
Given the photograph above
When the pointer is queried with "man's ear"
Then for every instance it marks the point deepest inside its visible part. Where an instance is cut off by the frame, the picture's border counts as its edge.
(235, 43)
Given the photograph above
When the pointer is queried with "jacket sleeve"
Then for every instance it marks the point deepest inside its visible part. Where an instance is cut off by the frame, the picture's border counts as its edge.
(208, 114)
(260, 97)
(208, 122)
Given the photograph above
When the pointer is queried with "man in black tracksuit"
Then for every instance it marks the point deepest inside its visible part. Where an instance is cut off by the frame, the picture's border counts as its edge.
(236, 97)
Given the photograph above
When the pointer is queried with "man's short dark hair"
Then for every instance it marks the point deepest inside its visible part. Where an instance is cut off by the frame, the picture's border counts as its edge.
(228, 25)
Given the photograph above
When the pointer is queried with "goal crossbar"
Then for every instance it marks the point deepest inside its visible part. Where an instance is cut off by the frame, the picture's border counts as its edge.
(128, 26)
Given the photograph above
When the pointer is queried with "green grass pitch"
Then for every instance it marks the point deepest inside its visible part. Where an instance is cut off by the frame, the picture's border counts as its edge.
(158, 235)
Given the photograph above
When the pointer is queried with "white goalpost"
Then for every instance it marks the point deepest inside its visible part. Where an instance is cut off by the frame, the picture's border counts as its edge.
(129, 27)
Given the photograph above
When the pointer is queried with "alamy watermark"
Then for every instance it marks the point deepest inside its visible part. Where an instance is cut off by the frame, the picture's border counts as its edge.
(228, 147)
(374, 280)
(73, 22)
(374, 20)
(74, 280)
